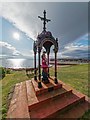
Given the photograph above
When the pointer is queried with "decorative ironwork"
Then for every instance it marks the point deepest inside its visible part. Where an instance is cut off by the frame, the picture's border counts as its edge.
(44, 39)
(44, 19)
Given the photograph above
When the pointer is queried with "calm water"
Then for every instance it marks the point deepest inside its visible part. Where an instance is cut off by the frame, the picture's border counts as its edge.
(17, 63)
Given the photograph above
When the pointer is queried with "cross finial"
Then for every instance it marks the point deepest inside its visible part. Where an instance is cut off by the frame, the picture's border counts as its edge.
(44, 19)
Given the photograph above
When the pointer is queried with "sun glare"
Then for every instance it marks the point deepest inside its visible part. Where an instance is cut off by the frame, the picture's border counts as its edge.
(17, 63)
(16, 36)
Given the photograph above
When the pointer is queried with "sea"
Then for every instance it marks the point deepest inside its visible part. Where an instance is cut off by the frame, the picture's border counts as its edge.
(17, 63)
(21, 63)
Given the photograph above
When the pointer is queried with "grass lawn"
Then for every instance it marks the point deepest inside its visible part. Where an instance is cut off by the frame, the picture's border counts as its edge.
(76, 76)
(8, 84)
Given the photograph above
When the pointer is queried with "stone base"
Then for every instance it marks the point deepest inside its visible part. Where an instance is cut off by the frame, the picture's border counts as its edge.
(50, 101)
(45, 87)
(46, 81)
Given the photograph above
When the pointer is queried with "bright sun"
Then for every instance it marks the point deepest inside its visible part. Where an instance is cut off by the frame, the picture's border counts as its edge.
(16, 36)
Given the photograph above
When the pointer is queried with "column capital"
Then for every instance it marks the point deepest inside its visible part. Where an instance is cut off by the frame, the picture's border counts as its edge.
(48, 52)
(55, 50)
(39, 49)
(34, 48)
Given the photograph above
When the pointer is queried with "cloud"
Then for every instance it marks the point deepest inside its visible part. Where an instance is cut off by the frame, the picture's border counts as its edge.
(44, 0)
(8, 50)
(20, 16)
(76, 51)
(69, 20)
(28, 53)
(72, 52)
(72, 47)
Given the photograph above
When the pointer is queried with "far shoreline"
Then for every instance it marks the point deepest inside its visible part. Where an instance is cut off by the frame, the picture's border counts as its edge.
(51, 63)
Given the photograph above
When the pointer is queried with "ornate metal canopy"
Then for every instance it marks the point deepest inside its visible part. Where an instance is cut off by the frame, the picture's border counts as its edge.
(44, 39)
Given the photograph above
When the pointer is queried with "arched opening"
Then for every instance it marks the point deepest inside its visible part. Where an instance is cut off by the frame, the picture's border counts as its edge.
(48, 45)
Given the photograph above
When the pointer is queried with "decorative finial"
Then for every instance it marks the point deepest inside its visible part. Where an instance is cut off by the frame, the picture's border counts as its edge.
(44, 19)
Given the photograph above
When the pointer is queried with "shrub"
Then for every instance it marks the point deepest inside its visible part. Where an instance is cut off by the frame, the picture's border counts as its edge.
(2, 72)
(8, 71)
(4, 110)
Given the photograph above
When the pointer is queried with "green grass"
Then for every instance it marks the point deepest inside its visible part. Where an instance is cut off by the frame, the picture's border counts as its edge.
(78, 77)
(8, 82)
(75, 76)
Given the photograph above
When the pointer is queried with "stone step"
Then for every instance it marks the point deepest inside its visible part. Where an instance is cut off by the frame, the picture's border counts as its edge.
(12, 107)
(45, 87)
(50, 107)
(67, 88)
(62, 102)
(51, 94)
(74, 112)
(19, 106)
(33, 99)
(31, 96)
(45, 100)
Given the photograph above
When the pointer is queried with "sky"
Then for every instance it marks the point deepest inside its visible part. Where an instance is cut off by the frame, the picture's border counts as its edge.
(44, 0)
(20, 27)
